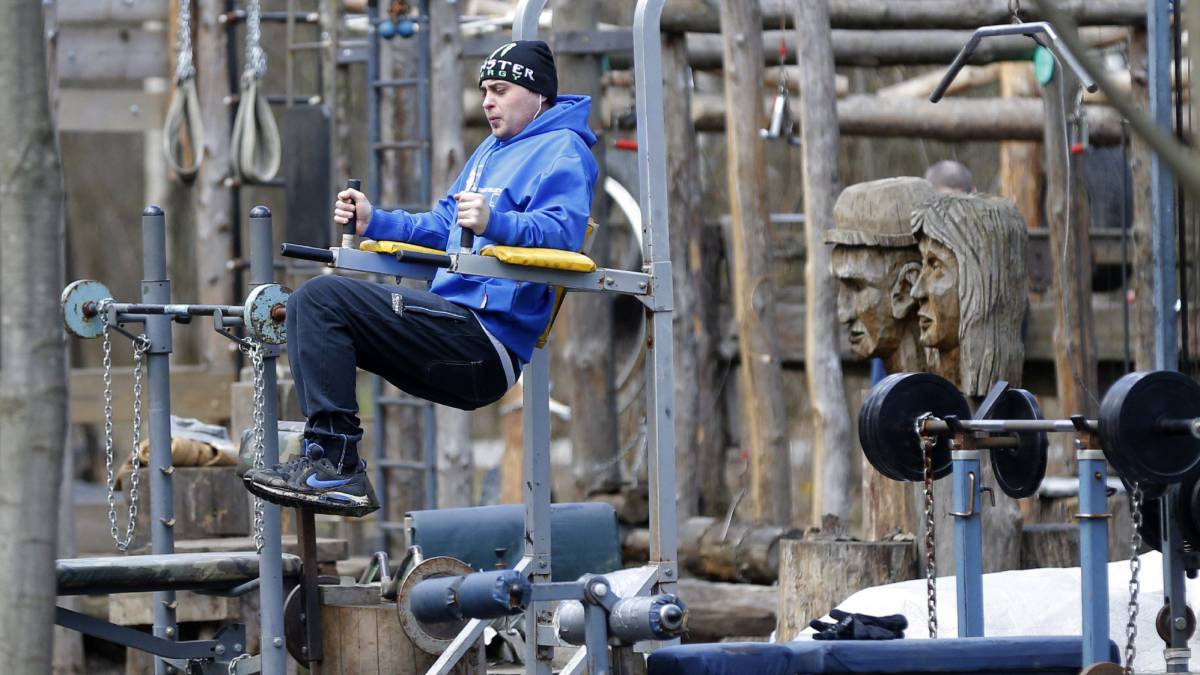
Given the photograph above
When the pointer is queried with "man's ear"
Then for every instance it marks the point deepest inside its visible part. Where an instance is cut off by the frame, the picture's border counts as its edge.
(902, 301)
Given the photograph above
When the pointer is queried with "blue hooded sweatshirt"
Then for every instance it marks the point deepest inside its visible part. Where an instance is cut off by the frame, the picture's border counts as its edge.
(539, 188)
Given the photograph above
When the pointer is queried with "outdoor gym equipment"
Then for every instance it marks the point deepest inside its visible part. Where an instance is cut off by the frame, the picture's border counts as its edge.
(90, 311)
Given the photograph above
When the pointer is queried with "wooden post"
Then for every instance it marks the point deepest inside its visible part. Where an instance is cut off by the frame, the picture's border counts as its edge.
(33, 355)
(699, 418)
(1021, 161)
(456, 464)
(1069, 222)
(822, 363)
(588, 317)
(214, 201)
(512, 466)
(764, 427)
(1141, 280)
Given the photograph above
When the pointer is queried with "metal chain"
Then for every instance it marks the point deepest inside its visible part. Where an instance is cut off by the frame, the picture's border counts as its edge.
(927, 444)
(184, 69)
(1135, 566)
(140, 347)
(256, 58)
(234, 661)
(1014, 9)
(254, 351)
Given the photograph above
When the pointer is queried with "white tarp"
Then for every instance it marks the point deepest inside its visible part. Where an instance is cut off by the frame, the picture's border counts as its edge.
(1035, 602)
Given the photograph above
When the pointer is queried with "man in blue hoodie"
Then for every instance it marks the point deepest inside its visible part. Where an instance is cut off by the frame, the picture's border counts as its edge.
(463, 342)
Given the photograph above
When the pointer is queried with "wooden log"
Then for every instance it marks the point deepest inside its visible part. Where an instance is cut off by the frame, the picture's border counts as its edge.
(699, 418)
(586, 326)
(716, 608)
(970, 77)
(1069, 222)
(111, 11)
(1049, 545)
(745, 553)
(631, 504)
(816, 575)
(702, 15)
(107, 53)
(819, 128)
(213, 200)
(760, 378)
(362, 636)
(1141, 279)
(1021, 161)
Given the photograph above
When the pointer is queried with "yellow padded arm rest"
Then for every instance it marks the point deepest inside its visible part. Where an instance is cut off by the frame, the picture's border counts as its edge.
(394, 246)
(549, 258)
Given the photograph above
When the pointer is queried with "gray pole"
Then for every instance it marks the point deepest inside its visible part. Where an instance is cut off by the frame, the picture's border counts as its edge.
(270, 562)
(156, 288)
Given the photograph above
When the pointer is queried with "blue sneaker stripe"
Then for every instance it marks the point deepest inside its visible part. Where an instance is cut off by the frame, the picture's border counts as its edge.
(313, 482)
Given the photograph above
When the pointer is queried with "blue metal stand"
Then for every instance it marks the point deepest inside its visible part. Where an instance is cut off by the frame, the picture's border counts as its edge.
(968, 542)
(1093, 553)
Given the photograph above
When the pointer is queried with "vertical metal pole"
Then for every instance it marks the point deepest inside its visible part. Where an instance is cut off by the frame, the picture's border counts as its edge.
(1093, 554)
(270, 562)
(595, 638)
(374, 124)
(536, 419)
(525, 19)
(1166, 357)
(968, 542)
(425, 156)
(156, 289)
(656, 250)
(429, 454)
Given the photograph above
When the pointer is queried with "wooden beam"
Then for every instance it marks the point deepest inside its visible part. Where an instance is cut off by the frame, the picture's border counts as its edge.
(1021, 161)
(196, 391)
(970, 77)
(819, 127)
(764, 431)
(92, 53)
(110, 110)
(702, 15)
(110, 11)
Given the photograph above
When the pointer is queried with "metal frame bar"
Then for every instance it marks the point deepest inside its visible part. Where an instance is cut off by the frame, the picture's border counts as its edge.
(1093, 553)
(129, 637)
(968, 541)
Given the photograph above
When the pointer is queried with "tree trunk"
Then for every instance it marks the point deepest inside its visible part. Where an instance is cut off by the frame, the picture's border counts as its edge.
(68, 644)
(1021, 161)
(822, 364)
(1069, 221)
(701, 15)
(213, 245)
(699, 418)
(588, 317)
(764, 428)
(1141, 282)
(33, 372)
(455, 461)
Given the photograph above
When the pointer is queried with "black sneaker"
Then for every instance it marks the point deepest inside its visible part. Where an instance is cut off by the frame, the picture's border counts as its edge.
(315, 484)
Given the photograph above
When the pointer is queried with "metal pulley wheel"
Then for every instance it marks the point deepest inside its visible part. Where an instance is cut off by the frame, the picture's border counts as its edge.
(265, 312)
(80, 302)
(887, 418)
(432, 638)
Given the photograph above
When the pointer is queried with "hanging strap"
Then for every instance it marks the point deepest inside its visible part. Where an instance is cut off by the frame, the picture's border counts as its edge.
(255, 147)
(184, 111)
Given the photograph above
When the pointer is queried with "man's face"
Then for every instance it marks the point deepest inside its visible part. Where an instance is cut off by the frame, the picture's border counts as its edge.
(864, 303)
(509, 107)
(936, 291)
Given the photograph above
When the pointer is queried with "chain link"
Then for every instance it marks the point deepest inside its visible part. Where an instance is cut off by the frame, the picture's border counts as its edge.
(1135, 566)
(233, 663)
(254, 351)
(927, 444)
(256, 57)
(140, 347)
(184, 69)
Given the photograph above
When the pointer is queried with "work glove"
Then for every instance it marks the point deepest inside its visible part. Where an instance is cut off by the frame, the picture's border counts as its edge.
(859, 627)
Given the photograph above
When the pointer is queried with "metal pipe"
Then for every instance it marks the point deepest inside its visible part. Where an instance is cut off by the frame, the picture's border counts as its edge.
(1000, 426)
(156, 290)
(134, 308)
(270, 562)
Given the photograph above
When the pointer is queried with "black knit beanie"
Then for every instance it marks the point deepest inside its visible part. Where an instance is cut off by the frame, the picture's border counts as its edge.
(528, 63)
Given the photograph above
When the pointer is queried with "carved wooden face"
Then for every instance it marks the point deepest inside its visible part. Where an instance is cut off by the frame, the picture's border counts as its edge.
(936, 292)
(873, 296)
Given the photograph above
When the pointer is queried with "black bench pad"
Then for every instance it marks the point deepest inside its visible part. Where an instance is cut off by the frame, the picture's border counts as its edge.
(177, 571)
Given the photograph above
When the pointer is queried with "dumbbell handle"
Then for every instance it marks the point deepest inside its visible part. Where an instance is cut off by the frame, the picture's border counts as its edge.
(348, 230)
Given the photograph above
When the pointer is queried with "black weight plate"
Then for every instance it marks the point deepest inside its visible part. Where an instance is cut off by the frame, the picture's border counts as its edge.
(1186, 515)
(1129, 416)
(1020, 470)
(885, 423)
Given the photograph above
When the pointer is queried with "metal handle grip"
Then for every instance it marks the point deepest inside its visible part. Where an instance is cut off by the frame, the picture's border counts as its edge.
(348, 230)
(321, 255)
(467, 241)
